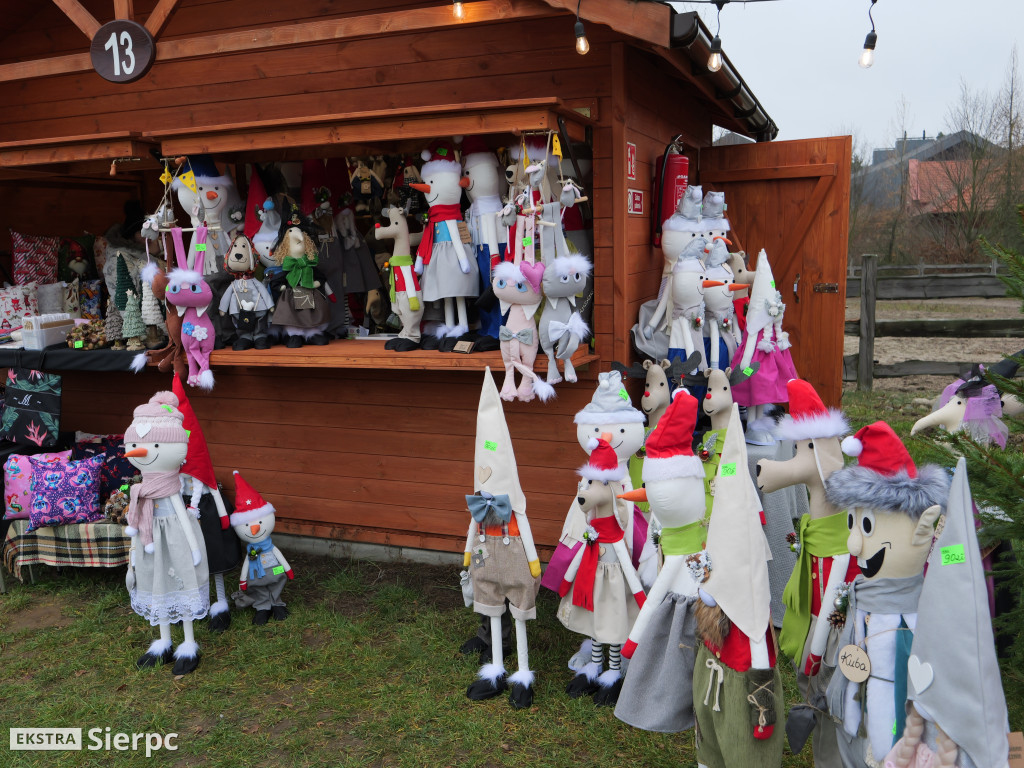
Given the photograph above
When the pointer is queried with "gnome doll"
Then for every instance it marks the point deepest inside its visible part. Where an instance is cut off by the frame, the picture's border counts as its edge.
(500, 553)
(738, 697)
(956, 711)
(657, 694)
(203, 499)
(247, 301)
(823, 562)
(168, 574)
(891, 510)
(601, 592)
(264, 569)
(447, 265)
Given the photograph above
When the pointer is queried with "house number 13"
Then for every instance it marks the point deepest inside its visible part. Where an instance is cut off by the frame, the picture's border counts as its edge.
(122, 51)
(126, 40)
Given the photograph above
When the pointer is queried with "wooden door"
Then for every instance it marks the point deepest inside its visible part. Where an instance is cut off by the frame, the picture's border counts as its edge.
(792, 198)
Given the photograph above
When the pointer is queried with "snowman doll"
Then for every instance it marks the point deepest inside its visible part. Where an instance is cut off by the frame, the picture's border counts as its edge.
(168, 576)
(264, 569)
(211, 200)
(446, 262)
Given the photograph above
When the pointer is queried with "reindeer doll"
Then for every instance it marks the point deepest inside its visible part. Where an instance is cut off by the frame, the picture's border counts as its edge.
(517, 286)
(406, 297)
(561, 328)
(192, 296)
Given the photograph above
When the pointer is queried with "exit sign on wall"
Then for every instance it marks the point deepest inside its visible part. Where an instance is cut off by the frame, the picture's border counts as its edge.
(635, 201)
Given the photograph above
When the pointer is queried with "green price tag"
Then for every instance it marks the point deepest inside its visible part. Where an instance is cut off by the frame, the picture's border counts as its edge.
(442, 151)
(79, 344)
(729, 469)
(624, 395)
(490, 445)
(278, 570)
(167, 408)
(748, 371)
(953, 554)
(124, 488)
(773, 283)
(202, 247)
(527, 241)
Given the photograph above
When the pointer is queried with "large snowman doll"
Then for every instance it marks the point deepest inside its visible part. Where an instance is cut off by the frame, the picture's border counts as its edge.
(211, 200)
(447, 265)
(168, 575)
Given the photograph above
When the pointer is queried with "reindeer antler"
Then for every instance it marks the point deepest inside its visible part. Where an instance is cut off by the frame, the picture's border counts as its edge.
(635, 371)
(680, 367)
(737, 375)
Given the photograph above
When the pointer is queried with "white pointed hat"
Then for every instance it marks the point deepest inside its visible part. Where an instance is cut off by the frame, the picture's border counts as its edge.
(494, 466)
(953, 671)
(610, 404)
(762, 292)
(736, 546)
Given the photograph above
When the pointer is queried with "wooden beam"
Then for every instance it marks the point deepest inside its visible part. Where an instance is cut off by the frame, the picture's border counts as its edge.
(124, 9)
(82, 19)
(649, 22)
(769, 172)
(959, 328)
(158, 18)
(66, 153)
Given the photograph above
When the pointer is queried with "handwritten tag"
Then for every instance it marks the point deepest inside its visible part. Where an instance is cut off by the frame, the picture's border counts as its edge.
(953, 554)
(748, 371)
(490, 445)
(201, 247)
(624, 395)
(278, 570)
(729, 470)
(527, 241)
(79, 344)
(1016, 750)
(773, 283)
(854, 663)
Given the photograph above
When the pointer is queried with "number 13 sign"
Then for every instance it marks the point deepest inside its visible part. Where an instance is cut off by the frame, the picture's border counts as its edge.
(122, 51)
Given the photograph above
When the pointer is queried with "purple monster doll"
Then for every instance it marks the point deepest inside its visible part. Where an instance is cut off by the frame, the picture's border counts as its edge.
(190, 294)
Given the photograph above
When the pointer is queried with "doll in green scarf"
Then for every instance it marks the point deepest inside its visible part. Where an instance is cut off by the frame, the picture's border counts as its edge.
(302, 313)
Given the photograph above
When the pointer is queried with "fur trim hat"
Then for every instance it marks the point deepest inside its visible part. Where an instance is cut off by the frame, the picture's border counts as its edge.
(610, 404)
(440, 156)
(669, 447)
(158, 421)
(885, 476)
(476, 152)
(717, 252)
(808, 418)
(249, 505)
(604, 465)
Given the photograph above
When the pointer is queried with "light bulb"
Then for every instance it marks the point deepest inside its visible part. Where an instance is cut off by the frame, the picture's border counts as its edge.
(867, 56)
(582, 44)
(715, 59)
(458, 10)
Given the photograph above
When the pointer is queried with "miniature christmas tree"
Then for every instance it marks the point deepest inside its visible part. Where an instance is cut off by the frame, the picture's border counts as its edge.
(151, 314)
(123, 284)
(112, 327)
(133, 329)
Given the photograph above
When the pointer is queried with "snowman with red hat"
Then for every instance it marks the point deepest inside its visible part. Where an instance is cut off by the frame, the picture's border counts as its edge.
(446, 263)
(264, 569)
(892, 507)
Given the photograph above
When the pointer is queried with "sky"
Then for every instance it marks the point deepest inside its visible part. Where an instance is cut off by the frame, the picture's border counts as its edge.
(800, 59)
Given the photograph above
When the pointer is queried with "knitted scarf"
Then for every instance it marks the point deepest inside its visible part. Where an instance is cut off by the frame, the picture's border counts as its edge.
(438, 213)
(256, 569)
(154, 485)
(608, 532)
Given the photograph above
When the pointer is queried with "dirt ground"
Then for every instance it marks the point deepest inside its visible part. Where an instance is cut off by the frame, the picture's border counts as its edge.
(894, 350)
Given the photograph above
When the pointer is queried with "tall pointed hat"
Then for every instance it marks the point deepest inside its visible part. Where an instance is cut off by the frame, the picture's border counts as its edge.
(197, 462)
(494, 466)
(953, 671)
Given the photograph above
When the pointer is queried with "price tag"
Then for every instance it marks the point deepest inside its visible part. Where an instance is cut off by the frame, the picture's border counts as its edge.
(527, 241)
(1016, 750)
(278, 570)
(490, 445)
(624, 395)
(79, 344)
(748, 371)
(728, 470)
(854, 663)
(201, 247)
(953, 554)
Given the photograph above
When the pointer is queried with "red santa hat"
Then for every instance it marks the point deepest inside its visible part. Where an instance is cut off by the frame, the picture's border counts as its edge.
(885, 477)
(808, 418)
(249, 505)
(440, 156)
(669, 447)
(536, 150)
(476, 152)
(314, 179)
(254, 200)
(197, 461)
(604, 463)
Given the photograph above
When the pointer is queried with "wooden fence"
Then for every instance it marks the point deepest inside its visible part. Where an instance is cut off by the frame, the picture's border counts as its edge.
(930, 281)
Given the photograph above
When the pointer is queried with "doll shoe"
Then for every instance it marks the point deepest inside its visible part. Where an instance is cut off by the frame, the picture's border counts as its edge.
(219, 622)
(429, 341)
(278, 612)
(486, 688)
(263, 343)
(260, 618)
(581, 685)
(608, 695)
(520, 696)
(148, 659)
(474, 645)
(186, 664)
(320, 340)
(401, 345)
(242, 345)
(294, 342)
(485, 343)
(447, 344)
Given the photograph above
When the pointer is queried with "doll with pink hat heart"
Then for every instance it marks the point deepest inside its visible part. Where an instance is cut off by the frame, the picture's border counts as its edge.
(517, 287)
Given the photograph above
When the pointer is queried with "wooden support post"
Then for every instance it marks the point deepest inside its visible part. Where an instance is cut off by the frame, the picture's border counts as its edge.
(866, 350)
(82, 19)
(124, 9)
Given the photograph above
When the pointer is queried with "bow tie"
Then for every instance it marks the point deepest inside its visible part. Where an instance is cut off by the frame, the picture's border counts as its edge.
(479, 506)
(525, 335)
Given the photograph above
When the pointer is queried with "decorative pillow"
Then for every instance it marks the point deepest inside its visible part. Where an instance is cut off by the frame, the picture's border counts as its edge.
(72, 304)
(12, 306)
(64, 494)
(35, 258)
(18, 476)
(50, 298)
(89, 299)
(117, 470)
(31, 413)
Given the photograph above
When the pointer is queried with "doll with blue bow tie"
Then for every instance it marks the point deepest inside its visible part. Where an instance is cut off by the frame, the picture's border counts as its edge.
(500, 553)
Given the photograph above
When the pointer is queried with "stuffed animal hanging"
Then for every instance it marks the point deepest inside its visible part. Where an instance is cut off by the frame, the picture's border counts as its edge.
(265, 570)
(247, 300)
(406, 297)
(168, 575)
(191, 296)
(562, 329)
(517, 286)
(172, 356)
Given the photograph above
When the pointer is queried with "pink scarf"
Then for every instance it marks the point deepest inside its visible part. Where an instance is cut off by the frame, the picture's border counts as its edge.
(155, 485)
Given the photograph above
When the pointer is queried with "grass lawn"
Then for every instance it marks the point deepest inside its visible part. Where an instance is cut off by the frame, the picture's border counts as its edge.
(365, 671)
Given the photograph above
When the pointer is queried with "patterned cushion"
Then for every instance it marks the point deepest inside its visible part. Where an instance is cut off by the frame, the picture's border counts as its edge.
(35, 258)
(50, 298)
(17, 476)
(16, 302)
(117, 470)
(89, 298)
(65, 493)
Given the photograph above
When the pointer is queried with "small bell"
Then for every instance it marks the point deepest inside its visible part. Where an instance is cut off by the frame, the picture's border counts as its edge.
(705, 455)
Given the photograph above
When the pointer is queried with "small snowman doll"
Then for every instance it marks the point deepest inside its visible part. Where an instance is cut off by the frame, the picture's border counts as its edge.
(264, 569)
(168, 577)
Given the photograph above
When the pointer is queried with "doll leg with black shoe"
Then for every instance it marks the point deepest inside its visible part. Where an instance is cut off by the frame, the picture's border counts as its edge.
(585, 682)
(610, 681)
(220, 611)
(490, 680)
(521, 681)
(160, 651)
(186, 655)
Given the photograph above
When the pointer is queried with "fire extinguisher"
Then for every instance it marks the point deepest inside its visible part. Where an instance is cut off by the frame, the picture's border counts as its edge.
(672, 172)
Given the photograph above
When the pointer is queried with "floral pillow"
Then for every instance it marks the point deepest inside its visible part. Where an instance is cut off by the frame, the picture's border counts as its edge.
(18, 476)
(64, 494)
(116, 470)
(35, 258)
(16, 302)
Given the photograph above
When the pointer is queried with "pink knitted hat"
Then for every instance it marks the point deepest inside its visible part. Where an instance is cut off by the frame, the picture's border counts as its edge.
(158, 421)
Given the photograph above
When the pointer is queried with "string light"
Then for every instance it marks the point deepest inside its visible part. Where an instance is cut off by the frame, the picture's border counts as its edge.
(457, 10)
(582, 44)
(715, 57)
(867, 56)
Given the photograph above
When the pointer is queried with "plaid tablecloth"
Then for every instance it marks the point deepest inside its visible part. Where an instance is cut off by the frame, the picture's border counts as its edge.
(93, 545)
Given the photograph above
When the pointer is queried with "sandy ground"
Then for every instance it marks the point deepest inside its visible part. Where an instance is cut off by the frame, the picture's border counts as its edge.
(894, 350)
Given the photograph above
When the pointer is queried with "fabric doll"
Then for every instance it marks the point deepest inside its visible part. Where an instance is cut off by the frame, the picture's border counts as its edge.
(367, 187)
(601, 592)
(738, 699)
(246, 300)
(686, 323)
(446, 264)
(721, 332)
(823, 562)
(517, 286)
(657, 693)
(172, 356)
(956, 710)
(265, 239)
(500, 553)
(192, 296)
(168, 575)
(359, 272)
(974, 406)
(764, 320)
(264, 569)
(211, 200)
(301, 312)
(892, 507)
(406, 297)
(561, 328)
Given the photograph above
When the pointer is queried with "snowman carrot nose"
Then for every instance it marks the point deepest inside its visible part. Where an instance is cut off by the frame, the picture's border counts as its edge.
(254, 529)
(712, 283)
(606, 436)
(640, 494)
(464, 182)
(136, 453)
(726, 240)
(424, 188)
(738, 286)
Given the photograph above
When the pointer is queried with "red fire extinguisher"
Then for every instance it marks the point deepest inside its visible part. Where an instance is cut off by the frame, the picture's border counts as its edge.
(671, 175)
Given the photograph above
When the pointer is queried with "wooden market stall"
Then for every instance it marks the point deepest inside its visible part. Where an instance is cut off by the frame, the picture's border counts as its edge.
(348, 441)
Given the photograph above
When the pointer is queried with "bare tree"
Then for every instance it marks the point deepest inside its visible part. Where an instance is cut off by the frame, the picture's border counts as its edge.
(1005, 226)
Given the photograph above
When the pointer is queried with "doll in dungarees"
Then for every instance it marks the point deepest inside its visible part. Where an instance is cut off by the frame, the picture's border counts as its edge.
(246, 299)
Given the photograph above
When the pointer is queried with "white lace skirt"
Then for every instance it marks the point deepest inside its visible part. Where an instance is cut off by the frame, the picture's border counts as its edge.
(168, 588)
